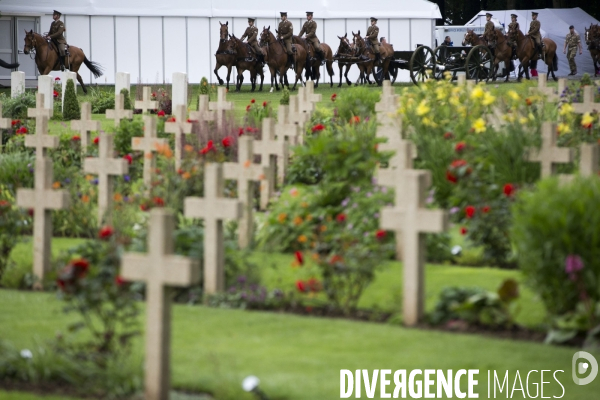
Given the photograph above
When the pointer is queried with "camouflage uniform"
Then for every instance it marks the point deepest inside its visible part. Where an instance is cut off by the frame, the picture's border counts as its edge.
(286, 31)
(573, 40)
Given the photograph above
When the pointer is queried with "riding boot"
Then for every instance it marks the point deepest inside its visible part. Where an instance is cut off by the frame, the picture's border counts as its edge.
(321, 55)
(291, 60)
(377, 58)
(62, 62)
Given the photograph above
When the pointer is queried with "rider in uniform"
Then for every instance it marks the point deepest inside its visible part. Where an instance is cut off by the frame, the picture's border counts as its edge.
(573, 41)
(488, 32)
(534, 33)
(286, 31)
(372, 34)
(513, 26)
(310, 29)
(57, 28)
(252, 33)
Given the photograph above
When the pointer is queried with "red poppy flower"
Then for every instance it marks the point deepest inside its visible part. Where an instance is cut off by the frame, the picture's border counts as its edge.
(318, 128)
(470, 211)
(128, 158)
(81, 266)
(226, 142)
(105, 232)
(76, 138)
(22, 130)
(301, 286)
(460, 146)
(252, 101)
(240, 131)
(144, 207)
(264, 104)
(314, 285)
(448, 135)
(486, 209)
(333, 97)
(380, 234)
(96, 140)
(340, 218)
(161, 113)
(451, 177)
(158, 201)
(15, 122)
(209, 146)
(248, 108)
(463, 230)
(355, 119)
(509, 189)
(119, 281)
(335, 259)
(299, 257)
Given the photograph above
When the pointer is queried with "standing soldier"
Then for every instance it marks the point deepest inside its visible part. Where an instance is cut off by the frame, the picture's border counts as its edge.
(513, 26)
(57, 28)
(372, 34)
(488, 32)
(534, 32)
(310, 28)
(573, 42)
(252, 33)
(285, 32)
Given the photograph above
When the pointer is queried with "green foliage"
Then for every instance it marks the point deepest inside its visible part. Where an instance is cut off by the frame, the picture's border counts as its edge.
(126, 131)
(551, 223)
(11, 226)
(438, 247)
(102, 99)
(255, 112)
(16, 170)
(16, 108)
(71, 109)
(126, 99)
(204, 86)
(285, 97)
(357, 101)
(586, 80)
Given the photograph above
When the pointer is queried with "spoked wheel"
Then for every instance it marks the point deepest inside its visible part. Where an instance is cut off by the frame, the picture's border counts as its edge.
(441, 56)
(421, 64)
(479, 64)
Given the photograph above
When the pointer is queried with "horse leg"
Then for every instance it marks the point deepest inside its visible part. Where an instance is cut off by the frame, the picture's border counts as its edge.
(81, 82)
(341, 67)
(228, 76)
(219, 65)
(330, 72)
(348, 81)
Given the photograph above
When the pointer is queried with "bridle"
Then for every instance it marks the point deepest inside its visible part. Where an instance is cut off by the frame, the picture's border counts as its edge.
(344, 49)
(267, 42)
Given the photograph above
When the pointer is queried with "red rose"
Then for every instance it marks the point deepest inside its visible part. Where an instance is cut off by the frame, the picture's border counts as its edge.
(119, 281)
(172, 119)
(463, 230)
(458, 163)
(161, 113)
(22, 130)
(248, 108)
(31, 212)
(318, 128)
(105, 232)
(209, 146)
(226, 142)
(252, 101)
(314, 285)
(485, 209)
(301, 286)
(380, 234)
(128, 158)
(340, 218)
(333, 97)
(15, 122)
(144, 207)
(335, 259)
(97, 140)
(81, 266)
(451, 177)
(240, 131)
(76, 138)
(264, 104)
(158, 201)
(448, 135)
(470, 211)
(508, 189)
(55, 93)
(460, 146)
(299, 257)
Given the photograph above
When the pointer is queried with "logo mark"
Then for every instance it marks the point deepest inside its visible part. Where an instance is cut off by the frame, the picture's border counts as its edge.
(582, 368)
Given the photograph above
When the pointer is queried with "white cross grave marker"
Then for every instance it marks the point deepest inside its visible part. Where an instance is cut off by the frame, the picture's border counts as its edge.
(203, 115)
(85, 125)
(295, 116)
(149, 144)
(542, 88)
(40, 140)
(106, 167)
(220, 106)
(413, 219)
(179, 128)
(160, 269)
(213, 208)
(272, 153)
(146, 103)
(589, 163)
(588, 104)
(42, 198)
(550, 155)
(307, 98)
(245, 172)
(119, 112)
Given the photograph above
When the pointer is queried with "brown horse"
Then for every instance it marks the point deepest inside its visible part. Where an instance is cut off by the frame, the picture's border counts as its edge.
(526, 52)
(46, 57)
(278, 61)
(473, 39)
(367, 66)
(343, 55)
(242, 53)
(313, 63)
(592, 39)
(223, 58)
(502, 53)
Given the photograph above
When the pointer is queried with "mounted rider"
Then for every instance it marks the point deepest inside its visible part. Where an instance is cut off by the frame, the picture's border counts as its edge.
(252, 34)
(513, 26)
(310, 29)
(285, 32)
(57, 28)
(372, 34)
(535, 34)
(488, 32)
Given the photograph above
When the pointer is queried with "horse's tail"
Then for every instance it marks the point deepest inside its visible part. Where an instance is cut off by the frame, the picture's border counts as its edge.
(555, 63)
(94, 67)
(6, 65)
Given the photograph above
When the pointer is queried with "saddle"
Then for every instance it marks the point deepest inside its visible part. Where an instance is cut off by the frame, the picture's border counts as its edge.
(54, 46)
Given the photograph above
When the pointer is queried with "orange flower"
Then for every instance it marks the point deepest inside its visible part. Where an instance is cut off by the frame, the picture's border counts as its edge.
(186, 175)
(302, 239)
(297, 220)
(85, 198)
(188, 148)
(281, 218)
(355, 119)
(56, 185)
(164, 150)
(118, 197)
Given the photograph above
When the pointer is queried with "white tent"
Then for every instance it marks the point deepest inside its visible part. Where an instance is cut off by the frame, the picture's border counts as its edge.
(151, 39)
(555, 25)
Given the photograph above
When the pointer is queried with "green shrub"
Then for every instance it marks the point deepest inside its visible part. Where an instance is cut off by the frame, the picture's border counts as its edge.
(204, 86)
(285, 97)
(127, 99)
(101, 100)
(16, 170)
(550, 224)
(71, 109)
(11, 226)
(16, 108)
(356, 101)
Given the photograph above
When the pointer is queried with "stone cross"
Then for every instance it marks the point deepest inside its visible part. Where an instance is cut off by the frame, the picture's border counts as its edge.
(220, 106)
(213, 208)
(203, 115)
(146, 103)
(149, 144)
(550, 93)
(42, 199)
(160, 270)
(287, 133)
(589, 163)
(298, 117)
(245, 172)
(119, 112)
(106, 167)
(461, 79)
(413, 219)
(272, 154)
(46, 87)
(588, 104)
(85, 125)
(40, 140)
(550, 155)
(5, 123)
(179, 128)
(17, 83)
(307, 97)
(392, 177)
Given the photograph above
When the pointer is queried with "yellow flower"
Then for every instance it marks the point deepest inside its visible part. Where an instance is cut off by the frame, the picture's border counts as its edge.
(423, 108)
(309, 217)
(566, 109)
(514, 95)
(56, 185)
(297, 220)
(427, 122)
(447, 75)
(479, 125)
(477, 93)
(531, 117)
(302, 239)
(563, 128)
(323, 228)
(89, 177)
(488, 99)
(523, 120)
(455, 100)
(440, 93)
(587, 120)
(281, 218)
(304, 204)
(117, 197)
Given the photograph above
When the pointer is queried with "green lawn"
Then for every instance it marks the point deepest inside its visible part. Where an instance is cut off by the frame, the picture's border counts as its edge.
(300, 357)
